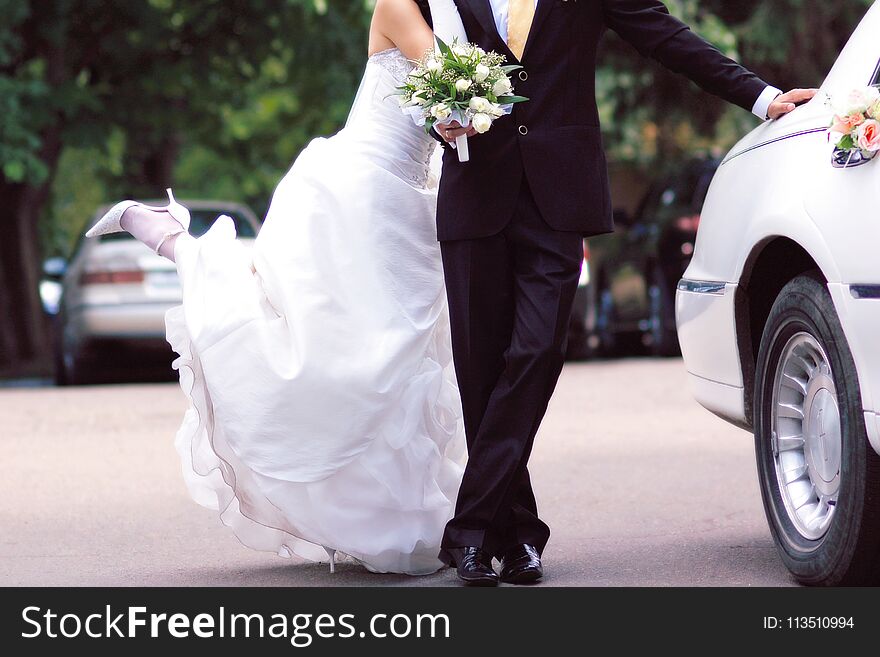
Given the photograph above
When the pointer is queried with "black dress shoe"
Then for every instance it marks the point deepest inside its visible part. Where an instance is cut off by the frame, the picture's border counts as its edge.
(474, 566)
(521, 565)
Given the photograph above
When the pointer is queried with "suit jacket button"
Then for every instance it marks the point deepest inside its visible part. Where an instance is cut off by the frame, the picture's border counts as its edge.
(523, 130)
(523, 76)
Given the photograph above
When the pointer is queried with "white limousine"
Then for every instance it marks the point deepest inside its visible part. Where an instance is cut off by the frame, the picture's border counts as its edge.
(779, 323)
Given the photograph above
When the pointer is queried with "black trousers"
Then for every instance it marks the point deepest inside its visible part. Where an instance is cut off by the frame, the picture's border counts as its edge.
(510, 299)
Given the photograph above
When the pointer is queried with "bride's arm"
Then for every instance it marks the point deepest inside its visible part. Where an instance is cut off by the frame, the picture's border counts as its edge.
(399, 24)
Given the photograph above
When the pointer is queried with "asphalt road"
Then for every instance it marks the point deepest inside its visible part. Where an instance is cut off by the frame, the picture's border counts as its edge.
(640, 485)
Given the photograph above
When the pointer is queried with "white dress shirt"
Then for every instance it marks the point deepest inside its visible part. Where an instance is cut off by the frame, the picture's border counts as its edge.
(500, 12)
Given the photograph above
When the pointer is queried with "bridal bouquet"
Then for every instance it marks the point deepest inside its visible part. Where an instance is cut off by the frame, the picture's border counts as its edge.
(855, 129)
(463, 83)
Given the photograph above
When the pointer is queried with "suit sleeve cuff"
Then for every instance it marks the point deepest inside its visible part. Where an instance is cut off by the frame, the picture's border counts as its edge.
(762, 105)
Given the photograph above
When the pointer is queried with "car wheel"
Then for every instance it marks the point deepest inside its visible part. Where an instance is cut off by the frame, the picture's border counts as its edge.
(604, 339)
(58, 369)
(819, 475)
(61, 378)
(662, 336)
(579, 347)
(72, 368)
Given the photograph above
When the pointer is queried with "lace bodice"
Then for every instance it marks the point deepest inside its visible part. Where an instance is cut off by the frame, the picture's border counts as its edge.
(377, 123)
(393, 61)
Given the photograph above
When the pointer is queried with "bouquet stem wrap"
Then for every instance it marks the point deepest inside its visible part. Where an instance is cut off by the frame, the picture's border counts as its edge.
(461, 145)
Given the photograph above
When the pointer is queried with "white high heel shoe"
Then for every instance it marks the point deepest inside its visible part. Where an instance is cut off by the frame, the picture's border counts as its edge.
(110, 222)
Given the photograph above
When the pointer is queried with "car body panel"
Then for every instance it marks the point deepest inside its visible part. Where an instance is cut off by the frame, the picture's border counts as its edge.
(710, 355)
(793, 193)
(772, 208)
(721, 399)
(860, 319)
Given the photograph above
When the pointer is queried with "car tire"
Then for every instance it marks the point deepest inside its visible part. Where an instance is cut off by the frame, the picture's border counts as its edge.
(59, 372)
(663, 335)
(72, 369)
(582, 341)
(604, 339)
(826, 527)
(578, 348)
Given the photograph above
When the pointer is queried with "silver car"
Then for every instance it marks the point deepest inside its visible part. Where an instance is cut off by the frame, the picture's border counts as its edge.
(115, 293)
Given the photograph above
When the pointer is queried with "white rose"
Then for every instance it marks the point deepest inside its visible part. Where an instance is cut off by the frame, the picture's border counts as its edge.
(479, 104)
(461, 51)
(418, 99)
(481, 122)
(463, 85)
(856, 101)
(872, 99)
(495, 110)
(433, 66)
(441, 111)
(482, 73)
(502, 87)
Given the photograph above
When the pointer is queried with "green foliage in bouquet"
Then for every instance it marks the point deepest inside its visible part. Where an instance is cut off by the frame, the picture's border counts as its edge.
(461, 80)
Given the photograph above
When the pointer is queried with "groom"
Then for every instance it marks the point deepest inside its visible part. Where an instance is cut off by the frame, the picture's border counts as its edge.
(511, 224)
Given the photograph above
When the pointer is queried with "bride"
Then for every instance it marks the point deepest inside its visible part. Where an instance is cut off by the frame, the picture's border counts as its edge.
(323, 414)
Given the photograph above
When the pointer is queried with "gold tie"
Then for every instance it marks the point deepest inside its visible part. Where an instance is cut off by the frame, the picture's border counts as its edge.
(520, 16)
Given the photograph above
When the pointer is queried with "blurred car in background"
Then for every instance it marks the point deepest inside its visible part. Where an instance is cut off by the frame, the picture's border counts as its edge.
(635, 270)
(582, 325)
(114, 293)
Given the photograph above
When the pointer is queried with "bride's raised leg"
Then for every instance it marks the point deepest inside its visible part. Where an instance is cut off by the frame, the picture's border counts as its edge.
(155, 228)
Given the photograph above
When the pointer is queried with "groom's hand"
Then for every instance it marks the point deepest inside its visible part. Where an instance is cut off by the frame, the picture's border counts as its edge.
(786, 103)
(453, 131)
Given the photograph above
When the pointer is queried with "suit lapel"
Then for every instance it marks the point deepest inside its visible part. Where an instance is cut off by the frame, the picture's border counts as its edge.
(541, 12)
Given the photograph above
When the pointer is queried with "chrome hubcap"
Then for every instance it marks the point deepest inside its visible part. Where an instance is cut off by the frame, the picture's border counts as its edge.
(806, 435)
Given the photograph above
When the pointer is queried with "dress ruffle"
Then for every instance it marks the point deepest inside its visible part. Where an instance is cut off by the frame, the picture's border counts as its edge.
(386, 507)
(323, 407)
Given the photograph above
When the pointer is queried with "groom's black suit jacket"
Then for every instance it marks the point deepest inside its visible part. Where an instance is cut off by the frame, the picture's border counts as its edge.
(561, 152)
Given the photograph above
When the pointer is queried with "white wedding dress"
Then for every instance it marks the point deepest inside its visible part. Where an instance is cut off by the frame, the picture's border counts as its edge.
(323, 405)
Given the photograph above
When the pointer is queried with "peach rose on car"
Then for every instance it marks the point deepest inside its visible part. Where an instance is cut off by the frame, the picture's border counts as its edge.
(844, 125)
(869, 136)
(855, 128)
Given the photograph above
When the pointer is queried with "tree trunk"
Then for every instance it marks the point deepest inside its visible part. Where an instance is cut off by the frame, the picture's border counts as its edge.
(21, 321)
(158, 169)
(23, 331)
(24, 334)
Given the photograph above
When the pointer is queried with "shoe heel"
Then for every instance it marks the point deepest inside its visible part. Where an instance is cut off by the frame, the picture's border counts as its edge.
(176, 210)
(331, 553)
